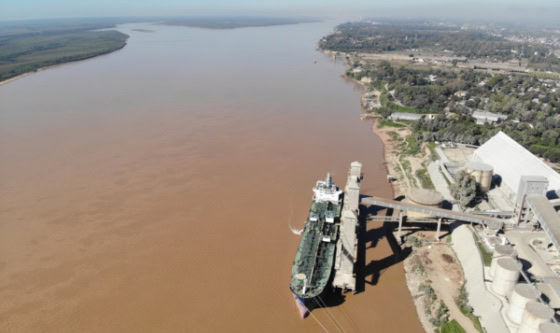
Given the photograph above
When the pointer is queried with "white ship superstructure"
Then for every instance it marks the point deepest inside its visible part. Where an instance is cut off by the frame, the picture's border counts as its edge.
(326, 191)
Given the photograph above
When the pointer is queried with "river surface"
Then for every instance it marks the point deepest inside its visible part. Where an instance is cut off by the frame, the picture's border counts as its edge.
(151, 189)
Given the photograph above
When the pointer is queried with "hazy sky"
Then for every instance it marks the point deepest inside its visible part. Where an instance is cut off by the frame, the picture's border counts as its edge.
(510, 9)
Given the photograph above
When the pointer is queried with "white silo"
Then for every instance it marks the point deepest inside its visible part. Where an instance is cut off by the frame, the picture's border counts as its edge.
(506, 276)
(501, 251)
(521, 295)
(549, 328)
(535, 314)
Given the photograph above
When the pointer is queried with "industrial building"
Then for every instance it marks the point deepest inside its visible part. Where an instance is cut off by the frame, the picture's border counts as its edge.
(484, 117)
(511, 161)
(395, 116)
(524, 274)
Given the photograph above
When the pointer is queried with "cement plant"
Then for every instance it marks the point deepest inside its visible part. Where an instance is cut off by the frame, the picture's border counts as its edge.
(508, 246)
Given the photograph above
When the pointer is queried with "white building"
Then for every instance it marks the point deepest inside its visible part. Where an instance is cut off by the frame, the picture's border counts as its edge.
(485, 117)
(511, 161)
(405, 116)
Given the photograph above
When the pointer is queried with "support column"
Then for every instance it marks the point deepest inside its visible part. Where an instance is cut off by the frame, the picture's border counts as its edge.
(401, 219)
(438, 228)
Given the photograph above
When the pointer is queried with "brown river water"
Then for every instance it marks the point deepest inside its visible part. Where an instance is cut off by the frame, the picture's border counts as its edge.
(151, 189)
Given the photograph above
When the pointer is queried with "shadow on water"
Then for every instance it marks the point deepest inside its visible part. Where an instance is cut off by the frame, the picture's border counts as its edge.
(333, 299)
(370, 272)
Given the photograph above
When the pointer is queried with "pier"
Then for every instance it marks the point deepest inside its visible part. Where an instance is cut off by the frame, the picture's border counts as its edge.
(347, 244)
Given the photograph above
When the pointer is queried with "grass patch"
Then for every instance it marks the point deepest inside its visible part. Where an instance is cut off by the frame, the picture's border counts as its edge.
(394, 136)
(474, 319)
(444, 177)
(390, 123)
(543, 75)
(408, 169)
(486, 256)
(414, 146)
(425, 180)
(433, 154)
(462, 302)
(452, 327)
(398, 108)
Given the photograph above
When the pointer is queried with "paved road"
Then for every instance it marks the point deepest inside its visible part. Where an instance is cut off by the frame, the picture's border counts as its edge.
(486, 305)
(438, 181)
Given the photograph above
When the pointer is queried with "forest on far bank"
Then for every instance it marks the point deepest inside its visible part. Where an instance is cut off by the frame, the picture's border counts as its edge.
(28, 47)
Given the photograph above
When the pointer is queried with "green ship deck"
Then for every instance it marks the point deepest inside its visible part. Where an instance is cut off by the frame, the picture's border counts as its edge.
(315, 256)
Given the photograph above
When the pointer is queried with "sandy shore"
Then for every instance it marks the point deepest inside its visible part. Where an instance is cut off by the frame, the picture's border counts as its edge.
(19, 76)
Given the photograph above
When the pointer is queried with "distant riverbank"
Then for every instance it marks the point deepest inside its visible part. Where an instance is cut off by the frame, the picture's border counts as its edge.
(224, 23)
(28, 53)
(14, 78)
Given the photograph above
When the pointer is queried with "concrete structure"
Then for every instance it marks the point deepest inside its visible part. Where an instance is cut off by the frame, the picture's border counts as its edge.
(486, 305)
(549, 328)
(484, 117)
(347, 245)
(550, 287)
(501, 251)
(511, 161)
(521, 295)
(540, 210)
(405, 116)
(534, 315)
(426, 198)
(438, 212)
(506, 276)
(530, 185)
(482, 173)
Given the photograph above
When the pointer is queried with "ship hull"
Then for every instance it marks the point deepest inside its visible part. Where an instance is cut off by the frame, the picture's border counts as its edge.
(301, 305)
(313, 264)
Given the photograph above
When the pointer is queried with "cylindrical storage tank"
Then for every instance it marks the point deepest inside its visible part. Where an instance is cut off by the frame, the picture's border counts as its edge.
(482, 173)
(521, 295)
(501, 251)
(535, 314)
(423, 197)
(506, 276)
(549, 328)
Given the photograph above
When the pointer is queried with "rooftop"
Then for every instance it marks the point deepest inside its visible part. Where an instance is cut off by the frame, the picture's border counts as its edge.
(486, 114)
(511, 161)
(479, 166)
(547, 215)
(425, 197)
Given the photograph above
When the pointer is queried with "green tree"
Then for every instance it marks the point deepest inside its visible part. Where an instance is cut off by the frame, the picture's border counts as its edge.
(465, 188)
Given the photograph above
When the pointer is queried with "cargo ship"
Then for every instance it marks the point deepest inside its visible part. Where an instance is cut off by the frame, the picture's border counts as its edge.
(313, 265)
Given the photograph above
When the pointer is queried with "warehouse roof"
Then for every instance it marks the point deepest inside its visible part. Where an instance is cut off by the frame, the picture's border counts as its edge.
(406, 116)
(488, 115)
(511, 161)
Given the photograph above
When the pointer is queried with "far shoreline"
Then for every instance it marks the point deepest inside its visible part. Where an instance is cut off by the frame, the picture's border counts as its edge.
(241, 26)
(40, 69)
